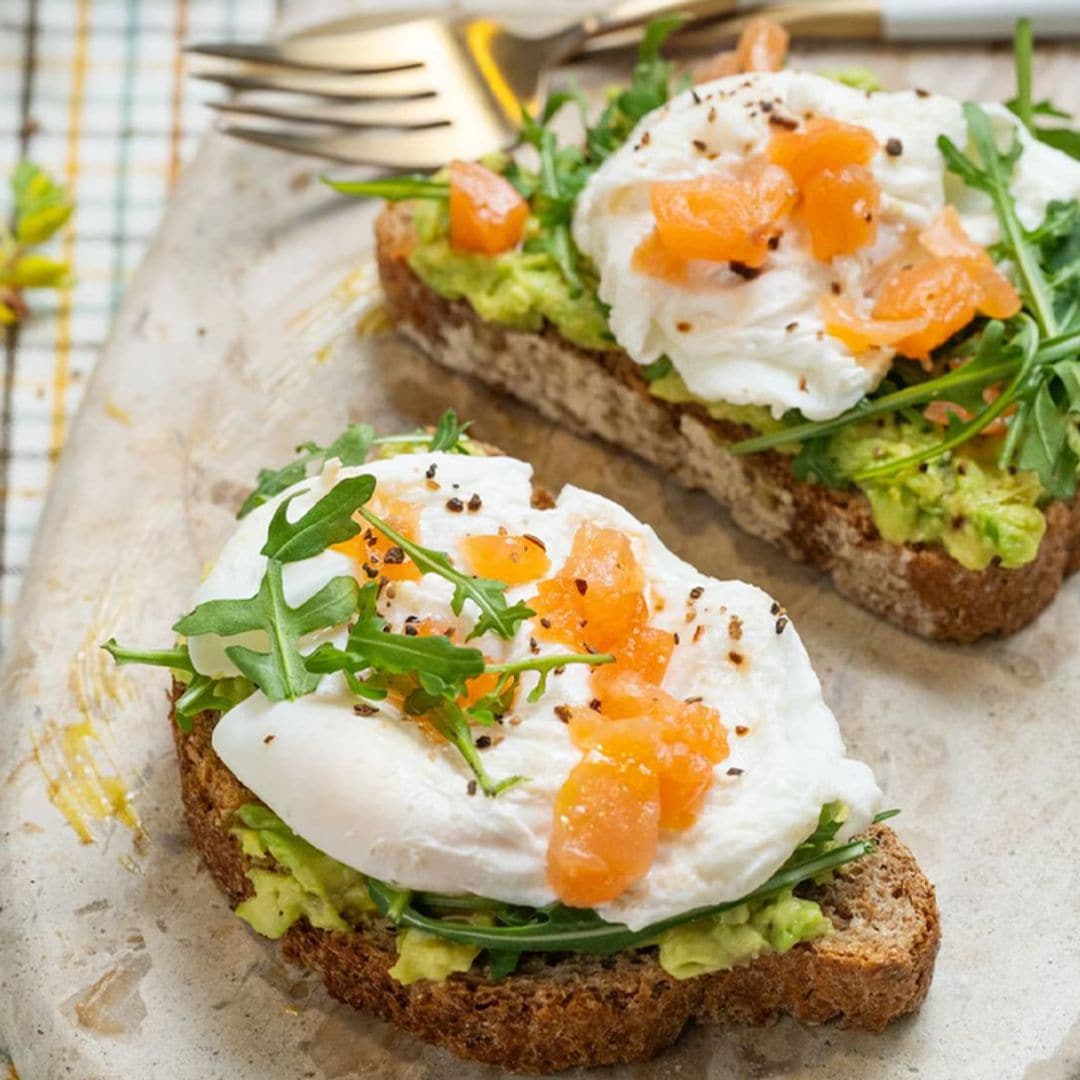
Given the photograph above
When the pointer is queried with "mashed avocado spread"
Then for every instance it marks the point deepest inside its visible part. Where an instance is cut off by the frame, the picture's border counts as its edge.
(974, 510)
(293, 880)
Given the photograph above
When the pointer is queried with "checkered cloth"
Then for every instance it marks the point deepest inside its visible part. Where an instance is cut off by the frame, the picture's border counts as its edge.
(93, 91)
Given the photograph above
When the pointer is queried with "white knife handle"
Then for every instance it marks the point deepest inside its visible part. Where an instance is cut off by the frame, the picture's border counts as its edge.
(977, 20)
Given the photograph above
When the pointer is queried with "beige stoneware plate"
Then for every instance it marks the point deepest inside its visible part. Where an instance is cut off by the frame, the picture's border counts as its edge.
(240, 338)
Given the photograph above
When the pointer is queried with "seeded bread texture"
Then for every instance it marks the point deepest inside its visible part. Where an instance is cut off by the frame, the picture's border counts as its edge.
(918, 587)
(560, 1011)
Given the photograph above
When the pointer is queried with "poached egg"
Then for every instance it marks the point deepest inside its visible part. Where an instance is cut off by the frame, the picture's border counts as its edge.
(763, 341)
(378, 794)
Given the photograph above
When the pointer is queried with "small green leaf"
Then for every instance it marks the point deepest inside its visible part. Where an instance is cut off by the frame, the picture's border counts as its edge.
(329, 521)
(42, 205)
(35, 272)
(351, 448)
(280, 673)
(177, 659)
(449, 434)
(393, 189)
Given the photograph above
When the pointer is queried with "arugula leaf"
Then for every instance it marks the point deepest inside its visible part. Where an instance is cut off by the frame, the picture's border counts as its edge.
(814, 462)
(657, 369)
(545, 665)
(486, 593)
(351, 448)
(393, 188)
(371, 646)
(201, 692)
(1023, 105)
(329, 521)
(177, 658)
(449, 433)
(561, 929)
(281, 673)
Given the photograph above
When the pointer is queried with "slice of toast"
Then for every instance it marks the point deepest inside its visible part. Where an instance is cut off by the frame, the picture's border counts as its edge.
(559, 1011)
(919, 587)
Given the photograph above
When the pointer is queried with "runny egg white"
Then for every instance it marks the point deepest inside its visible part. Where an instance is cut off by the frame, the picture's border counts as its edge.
(377, 794)
(763, 341)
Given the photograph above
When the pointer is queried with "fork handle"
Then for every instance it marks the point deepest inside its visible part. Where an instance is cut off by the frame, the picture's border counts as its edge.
(889, 20)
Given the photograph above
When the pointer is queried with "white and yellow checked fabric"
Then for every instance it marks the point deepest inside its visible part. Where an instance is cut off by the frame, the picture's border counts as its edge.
(93, 91)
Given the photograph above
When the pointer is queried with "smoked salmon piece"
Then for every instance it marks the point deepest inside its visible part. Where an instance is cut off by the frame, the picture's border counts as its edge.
(606, 822)
(840, 210)
(720, 218)
(513, 559)
(487, 214)
(762, 46)
(821, 144)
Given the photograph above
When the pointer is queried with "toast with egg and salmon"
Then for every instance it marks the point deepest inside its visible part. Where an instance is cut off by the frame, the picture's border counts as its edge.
(506, 772)
(849, 315)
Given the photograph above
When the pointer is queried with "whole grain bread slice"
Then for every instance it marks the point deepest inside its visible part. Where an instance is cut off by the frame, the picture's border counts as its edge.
(918, 587)
(559, 1011)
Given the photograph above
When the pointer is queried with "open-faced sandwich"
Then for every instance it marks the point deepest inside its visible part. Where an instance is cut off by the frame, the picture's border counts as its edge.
(511, 775)
(853, 316)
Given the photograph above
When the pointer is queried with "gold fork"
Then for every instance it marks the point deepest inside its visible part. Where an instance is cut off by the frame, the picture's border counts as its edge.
(417, 94)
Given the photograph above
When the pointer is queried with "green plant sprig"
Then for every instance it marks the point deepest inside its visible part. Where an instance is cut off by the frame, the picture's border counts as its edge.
(487, 594)
(41, 207)
(438, 674)
(561, 929)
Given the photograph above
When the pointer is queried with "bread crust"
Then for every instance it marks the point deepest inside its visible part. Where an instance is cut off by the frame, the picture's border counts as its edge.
(561, 1011)
(918, 587)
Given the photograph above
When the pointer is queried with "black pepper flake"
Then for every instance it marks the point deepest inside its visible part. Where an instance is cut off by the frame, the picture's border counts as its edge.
(645, 139)
(581, 585)
(747, 273)
(483, 742)
(595, 704)
(781, 623)
(785, 122)
(775, 609)
(364, 710)
(563, 713)
(741, 729)
(470, 787)
(766, 106)
(835, 288)
(560, 670)
(736, 658)
(923, 466)
(774, 241)
(474, 503)
(792, 326)
(894, 147)
(676, 637)
(735, 628)
(695, 95)
(699, 144)
(411, 630)
(684, 327)
(545, 623)
(430, 474)
(920, 92)
(534, 646)
(697, 592)
(733, 771)
(370, 571)
(269, 739)
(455, 505)
(712, 115)
(394, 556)
(698, 632)
(535, 540)
(691, 700)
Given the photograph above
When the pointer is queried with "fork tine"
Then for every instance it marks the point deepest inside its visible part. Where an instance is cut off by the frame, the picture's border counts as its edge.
(286, 56)
(378, 48)
(408, 83)
(425, 148)
(409, 113)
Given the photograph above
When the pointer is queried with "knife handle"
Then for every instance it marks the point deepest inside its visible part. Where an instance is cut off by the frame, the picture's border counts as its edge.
(976, 20)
